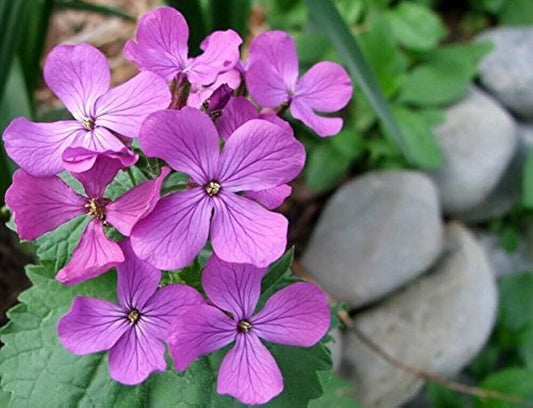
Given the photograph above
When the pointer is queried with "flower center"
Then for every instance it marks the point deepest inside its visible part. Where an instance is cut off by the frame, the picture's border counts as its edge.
(212, 188)
(134, 316)
(88, 123)
(95, 209)
(244, 326)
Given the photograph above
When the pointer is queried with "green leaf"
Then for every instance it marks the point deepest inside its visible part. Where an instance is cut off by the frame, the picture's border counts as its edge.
(338, 393)
(124, 181)
(325, 167)
(527, 181)
(416, 27)
(175, 182)
(516, 12)
(329, 20)
(384, 57)
(419, 138)
(525, 345)
(515, 382)
(441, 397)
(443, 75)
(516, 301)
(4, 398)
(94, 8)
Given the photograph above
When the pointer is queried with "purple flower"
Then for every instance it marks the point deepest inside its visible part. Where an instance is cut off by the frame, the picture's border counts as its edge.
(200, 94)
(257, 156)
(272, 80)
(297, 315)
(41, 204)
(161, 47)
(134, 330)
(104, 119)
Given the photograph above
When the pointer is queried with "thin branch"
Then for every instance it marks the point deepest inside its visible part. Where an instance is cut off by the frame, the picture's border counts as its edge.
(411, 369)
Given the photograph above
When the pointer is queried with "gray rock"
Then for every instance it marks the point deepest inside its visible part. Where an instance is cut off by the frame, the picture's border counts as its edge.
(478, 140)
(506, 72)
(375, 234)
(438, 323)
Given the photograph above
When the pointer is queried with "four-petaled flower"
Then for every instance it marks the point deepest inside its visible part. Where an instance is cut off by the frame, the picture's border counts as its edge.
(297, 315)
(134, 330)
(41, 204)
(105, 119)
(161, 47)
(272, 80)
(257, 156)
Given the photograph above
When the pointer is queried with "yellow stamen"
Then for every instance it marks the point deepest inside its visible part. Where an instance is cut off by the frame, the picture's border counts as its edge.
(244, 326)
(95, 209)
(212, 188)
(88, 123)
(133, 316)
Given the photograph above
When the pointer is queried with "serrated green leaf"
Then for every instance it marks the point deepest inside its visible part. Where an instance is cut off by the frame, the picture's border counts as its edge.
(4, 398)
(124, 181)
(383, 55)
(416, 27)
(175, 182)
(419, 138)
(443, 75)
(515, 382)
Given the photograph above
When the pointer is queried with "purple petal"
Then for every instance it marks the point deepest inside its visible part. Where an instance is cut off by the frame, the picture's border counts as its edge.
(136, 355)
(249, 372)
(94, 255)
(259, 155)
(96, 179)
(232, 287)
(176, 231)
(135, 204)
(276, 48)
(78, 75)
(41, 204)
(244, 232)
(271, 198)
(297, 315)
(321, 125)
(137, 280)
(186, 139)
(91, 325)
(221, 53)
(266, 86)
(161, 43)
(200, 330)
(236, 113)
(166, 305)
(198, 95)
(38, 147)
(124, 108)
(326, 87)
(79, 159)
(98, 140)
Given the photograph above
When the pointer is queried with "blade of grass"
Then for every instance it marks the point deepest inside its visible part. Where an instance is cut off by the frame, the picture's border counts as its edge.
(95, 8)
(328, 19)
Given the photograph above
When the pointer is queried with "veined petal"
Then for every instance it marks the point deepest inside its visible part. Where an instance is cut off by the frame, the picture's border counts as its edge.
(277, 49)
(249, 372)
(173, 234)
(236, 113)
(79, 159)
(94, 255)
(232, 287)
(326, 87)
(135, 356)
(161, 43)
(103, 171)
(91, 325)
(201, 94)
(221, 53)
(186, 139)
(135, 204)
(244, 232)
(78, 75)
(259, 155)
(200, 330)
(137, 280)
(297, 315)
(41, 204)
(266, 86)
(98, 140)
(323, 126)
(271, 198)
(124, 108)
(166, 305)
(38, 147)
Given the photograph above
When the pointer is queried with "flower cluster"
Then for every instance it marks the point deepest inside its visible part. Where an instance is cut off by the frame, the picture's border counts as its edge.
(193, 115)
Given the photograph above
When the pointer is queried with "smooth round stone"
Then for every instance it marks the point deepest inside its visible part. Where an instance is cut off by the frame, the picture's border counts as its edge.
(375, 234)
(506, 72)
(478, 140)
(438, 323)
